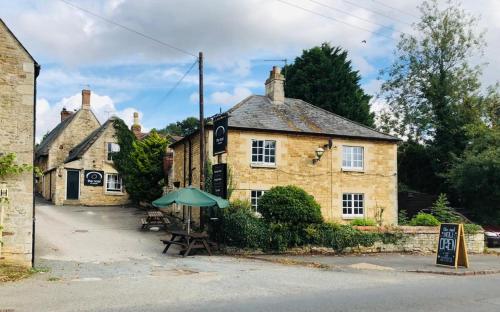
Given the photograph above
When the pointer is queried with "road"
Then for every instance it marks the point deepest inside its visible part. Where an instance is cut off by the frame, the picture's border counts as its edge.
(122, 269)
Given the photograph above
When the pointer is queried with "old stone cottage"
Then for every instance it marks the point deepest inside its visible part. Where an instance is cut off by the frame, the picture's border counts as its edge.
(76, 158)
(350, 169)
(18, 73)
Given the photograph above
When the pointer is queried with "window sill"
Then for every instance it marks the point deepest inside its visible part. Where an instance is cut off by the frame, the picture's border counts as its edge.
(114, 193)
(260, 165)
(359, 170)
(352, 217)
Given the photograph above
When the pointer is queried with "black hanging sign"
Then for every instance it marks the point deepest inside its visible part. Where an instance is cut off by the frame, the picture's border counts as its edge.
(94, 178)
(220, 134)
(452, 250)
(219, 180)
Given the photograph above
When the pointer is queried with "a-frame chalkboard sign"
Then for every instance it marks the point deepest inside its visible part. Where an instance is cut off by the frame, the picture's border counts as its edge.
(452, 250)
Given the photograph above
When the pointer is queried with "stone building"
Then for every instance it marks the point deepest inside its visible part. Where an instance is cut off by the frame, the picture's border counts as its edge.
(18, 73)
(76, 159)
(350, 169)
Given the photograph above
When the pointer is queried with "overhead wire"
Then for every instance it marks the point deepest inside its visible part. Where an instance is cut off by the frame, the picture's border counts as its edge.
(395, 9)
(161, 42)
(376, 12)
(172, 89)
(333, 19)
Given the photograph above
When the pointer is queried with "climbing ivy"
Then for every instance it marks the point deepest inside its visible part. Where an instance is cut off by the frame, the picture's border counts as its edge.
(8, 166)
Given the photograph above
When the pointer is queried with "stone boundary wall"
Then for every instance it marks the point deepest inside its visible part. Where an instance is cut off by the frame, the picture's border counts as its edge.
(423, 239)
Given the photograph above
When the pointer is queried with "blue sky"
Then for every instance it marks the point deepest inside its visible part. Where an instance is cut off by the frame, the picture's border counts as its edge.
(128, 73)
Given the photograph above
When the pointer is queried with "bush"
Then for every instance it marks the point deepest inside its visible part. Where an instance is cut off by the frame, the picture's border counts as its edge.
(443, 212)
(424, 219)
(403, 217)
(471, 228)
(363, 222)
(242, 229)
(291, 205)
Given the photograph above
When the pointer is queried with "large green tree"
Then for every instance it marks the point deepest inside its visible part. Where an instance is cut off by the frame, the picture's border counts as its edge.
(181, 128)
(431, 88)
(140, 163)
(323, 76)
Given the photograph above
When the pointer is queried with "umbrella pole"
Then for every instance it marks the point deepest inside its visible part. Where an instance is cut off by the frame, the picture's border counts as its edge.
(189, 220)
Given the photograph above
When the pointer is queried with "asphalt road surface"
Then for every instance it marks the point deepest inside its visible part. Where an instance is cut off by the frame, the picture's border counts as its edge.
(99, 261)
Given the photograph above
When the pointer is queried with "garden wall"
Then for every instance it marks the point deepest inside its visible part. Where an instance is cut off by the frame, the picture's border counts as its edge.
(419, 239)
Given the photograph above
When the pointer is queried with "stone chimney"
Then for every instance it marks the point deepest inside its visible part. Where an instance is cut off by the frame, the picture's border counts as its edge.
(136, 127)
(65, 114)
(85, 99)
(275, 86)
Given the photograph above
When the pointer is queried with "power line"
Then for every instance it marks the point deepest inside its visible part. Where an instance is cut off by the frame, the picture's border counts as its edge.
(178, 82)
(376, 12)
(333, 19)
(129, 29)
(394, 8)
(348, 13)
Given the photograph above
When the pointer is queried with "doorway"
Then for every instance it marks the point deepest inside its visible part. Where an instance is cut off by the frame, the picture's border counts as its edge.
(73, 184)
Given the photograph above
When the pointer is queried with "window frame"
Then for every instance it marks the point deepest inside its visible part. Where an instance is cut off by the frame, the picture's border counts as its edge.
(352, 160)
(352, 201)
(120, 180)
(109, 150)
(263, 163)
(255, 207)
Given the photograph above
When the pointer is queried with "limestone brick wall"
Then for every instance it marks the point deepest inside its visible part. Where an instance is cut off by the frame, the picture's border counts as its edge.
(325, 180)
(423, 239)
(17, 81)
(95, 158)
(78, 129)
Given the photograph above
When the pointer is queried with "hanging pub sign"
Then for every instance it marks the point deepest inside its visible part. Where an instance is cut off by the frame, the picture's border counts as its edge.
(220, 134)
(219, 180)
(94, 178)
(452, 250)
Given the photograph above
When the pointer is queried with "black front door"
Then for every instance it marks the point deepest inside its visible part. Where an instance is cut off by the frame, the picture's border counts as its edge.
(73, 184)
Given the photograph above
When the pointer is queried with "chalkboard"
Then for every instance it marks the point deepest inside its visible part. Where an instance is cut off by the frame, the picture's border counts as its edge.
(451, 249)
(219, 180)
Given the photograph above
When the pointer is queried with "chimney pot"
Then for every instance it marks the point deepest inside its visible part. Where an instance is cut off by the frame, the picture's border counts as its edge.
(275, 86)
(85, 99)
(136, 127)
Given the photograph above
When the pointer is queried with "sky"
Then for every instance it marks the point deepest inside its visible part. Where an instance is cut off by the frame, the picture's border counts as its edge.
(241, 41)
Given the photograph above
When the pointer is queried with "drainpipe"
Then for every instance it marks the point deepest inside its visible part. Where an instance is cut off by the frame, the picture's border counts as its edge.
(37, 72)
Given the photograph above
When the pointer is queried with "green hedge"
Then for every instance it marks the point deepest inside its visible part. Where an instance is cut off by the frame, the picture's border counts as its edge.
(424, 219)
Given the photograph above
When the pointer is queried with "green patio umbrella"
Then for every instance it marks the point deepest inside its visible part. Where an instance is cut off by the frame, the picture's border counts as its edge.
(191, 196)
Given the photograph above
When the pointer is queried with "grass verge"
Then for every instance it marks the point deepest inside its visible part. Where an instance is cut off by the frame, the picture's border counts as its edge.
(11, 272)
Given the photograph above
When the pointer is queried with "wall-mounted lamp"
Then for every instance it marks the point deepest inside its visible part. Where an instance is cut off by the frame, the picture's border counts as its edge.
(319, 152)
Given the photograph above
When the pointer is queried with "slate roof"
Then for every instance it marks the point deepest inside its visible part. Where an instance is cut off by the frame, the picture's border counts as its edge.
(78, 151)
(258, 112)
(43, 148)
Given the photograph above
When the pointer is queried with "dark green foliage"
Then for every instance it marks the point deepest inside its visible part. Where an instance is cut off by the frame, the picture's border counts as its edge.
(415, 168)
(403, 217)
(363, 222)
(424, 219)
(181, 128)
(475, 175)
(242, 229)
(140, 163)
(289, 204)
(471, 228)
(323, 76)
(443, 212)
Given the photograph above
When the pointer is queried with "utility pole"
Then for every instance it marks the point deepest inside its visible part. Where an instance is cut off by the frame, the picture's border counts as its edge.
(202, 124)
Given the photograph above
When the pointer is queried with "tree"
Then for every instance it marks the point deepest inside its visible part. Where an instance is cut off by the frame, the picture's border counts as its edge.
(181, 128)
(140, 163)
(323, 76)
(431, 88)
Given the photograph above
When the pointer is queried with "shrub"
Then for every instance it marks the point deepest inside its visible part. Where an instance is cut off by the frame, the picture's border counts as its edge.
(471, 228)
(363, 222)
(289, 204)
(424, 219)
(403, 217)
(443, 212)
(242, 229)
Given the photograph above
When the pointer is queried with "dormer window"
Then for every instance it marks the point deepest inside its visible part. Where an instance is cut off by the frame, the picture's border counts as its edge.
(112, 148)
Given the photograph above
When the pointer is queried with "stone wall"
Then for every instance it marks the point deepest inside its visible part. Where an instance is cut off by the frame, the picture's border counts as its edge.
(422, 239)
(17, 80)
(325, 180)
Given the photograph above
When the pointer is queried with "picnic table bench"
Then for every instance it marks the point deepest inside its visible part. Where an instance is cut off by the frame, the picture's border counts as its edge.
(188, 242)
(154, 218)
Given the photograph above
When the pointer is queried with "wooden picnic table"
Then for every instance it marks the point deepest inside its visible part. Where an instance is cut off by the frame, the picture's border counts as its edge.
(188, 242)
(154, 218)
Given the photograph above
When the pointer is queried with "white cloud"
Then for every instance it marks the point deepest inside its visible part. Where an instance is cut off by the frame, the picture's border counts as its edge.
(228, 98)
(48, 116)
